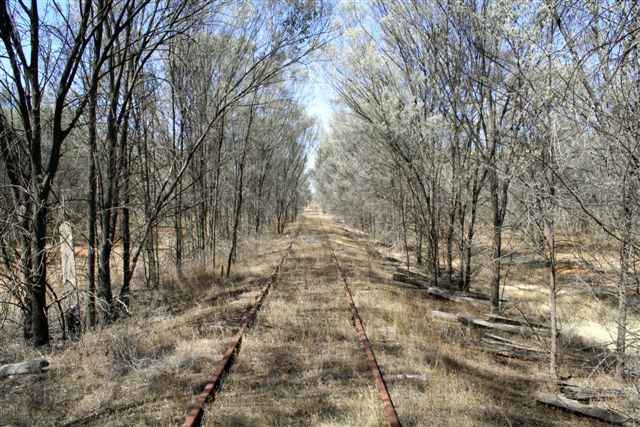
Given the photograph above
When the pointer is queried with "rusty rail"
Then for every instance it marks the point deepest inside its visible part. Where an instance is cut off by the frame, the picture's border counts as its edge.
(387, 403)
(194, 417)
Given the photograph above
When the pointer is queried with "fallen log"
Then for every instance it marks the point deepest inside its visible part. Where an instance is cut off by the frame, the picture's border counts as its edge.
(511, 343)
(438, 292)
(501, 319)
(583, 394)
(450, 296)
(606, 415)
(421, 378)
(511, 353)
(29, 367)
(465, 319)
(410, 279)
(512, 349)
(423, 280)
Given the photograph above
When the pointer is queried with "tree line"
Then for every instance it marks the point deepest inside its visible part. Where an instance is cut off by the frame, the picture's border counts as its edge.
(146, 124)
(497, 116)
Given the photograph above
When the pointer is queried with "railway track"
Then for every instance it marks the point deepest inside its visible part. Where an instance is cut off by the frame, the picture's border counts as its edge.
(196, 412)
(194, 416)
(385, 397)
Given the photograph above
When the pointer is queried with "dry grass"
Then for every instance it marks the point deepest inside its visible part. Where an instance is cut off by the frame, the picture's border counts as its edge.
(142, 370)
(301, 363)
(465, 386)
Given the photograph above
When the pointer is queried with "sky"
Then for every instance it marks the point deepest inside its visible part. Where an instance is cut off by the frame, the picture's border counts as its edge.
(318, 95)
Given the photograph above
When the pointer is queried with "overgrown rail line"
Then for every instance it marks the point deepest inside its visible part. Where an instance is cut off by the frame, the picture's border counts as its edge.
(385, 397)
(194, 417)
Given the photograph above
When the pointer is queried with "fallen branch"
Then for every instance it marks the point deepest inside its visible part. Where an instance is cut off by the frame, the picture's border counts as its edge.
(421, 378)
(501, 319)
(30, 367)
(438, 292)
(606, 415)
(509, 348)
(465, 319)
(583, 394)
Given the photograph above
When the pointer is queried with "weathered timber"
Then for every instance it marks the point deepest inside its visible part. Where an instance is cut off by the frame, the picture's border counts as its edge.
(512, 343)
(438, 292)
(465, 319)
(420, 378)
(415, 281)
(509, 348)
(29, 367)
(501, 319)
(511, 353)
(583, 394)
(606, 415)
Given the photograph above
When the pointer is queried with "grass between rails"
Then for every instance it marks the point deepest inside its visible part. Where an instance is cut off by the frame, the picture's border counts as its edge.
(301, 363)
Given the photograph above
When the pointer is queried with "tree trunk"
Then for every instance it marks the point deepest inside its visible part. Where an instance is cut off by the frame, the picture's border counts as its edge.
(26, 269)
(92, 221)
(126, 233)
(40, 323)
(553, 362)
(177, 232)
(105, 296)
(626, 248)
(216, 192)
(404, 231)
(450, 236)
(239, 193)
(497, 239)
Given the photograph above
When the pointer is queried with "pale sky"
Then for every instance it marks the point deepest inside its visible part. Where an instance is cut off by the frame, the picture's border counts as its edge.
(318, 96)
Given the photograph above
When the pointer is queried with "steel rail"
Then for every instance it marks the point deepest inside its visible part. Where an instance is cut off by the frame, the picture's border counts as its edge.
(194, 417)
(385, 397)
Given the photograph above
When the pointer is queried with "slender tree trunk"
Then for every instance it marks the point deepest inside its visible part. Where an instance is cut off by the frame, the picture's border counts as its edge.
(469, 245)
(40, 322)
(434, 237)
(105, 296)
(497, 239)
(177, 232)
(239, 194)
(26, 269)
(626, 248)
(236, 216)
(126, 233)
(92, 220)
(259, 201)
(216, 192)
(92, 178)
(450, 236)
(553, 366)
(404, 230)
(550, 168)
